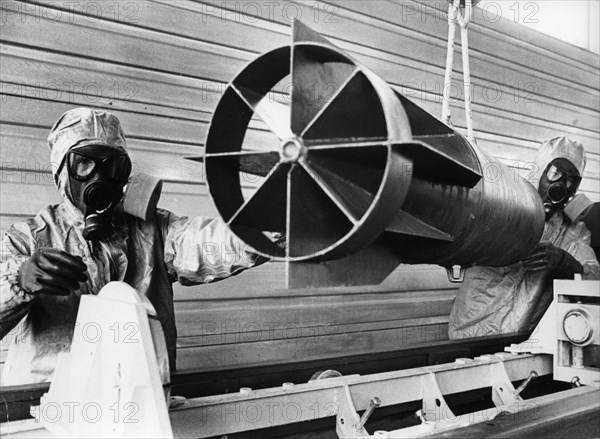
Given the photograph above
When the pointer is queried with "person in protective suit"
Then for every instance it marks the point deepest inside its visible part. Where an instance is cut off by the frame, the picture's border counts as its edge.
(81, 244)
(500, 300)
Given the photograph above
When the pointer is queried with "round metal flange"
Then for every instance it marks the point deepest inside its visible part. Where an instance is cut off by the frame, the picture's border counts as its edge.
(577, 327)
(319, 167)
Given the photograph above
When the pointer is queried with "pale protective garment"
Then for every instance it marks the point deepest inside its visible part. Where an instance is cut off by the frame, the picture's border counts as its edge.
(148, 255)
(502, 300)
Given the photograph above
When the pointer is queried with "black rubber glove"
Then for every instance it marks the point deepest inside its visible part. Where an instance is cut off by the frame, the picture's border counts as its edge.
(547, 256)
(52, 271)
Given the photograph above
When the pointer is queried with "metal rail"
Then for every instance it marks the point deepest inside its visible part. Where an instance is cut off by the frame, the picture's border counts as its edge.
(251, 410)
(570, 413)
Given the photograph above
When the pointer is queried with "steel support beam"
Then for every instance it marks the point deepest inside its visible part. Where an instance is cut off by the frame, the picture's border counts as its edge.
(251, 410)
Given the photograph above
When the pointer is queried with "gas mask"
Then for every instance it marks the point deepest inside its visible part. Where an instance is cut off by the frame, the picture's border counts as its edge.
(558, 185)
(97, 176)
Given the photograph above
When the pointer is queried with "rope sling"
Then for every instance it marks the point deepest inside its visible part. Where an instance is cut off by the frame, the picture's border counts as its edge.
(463, 15)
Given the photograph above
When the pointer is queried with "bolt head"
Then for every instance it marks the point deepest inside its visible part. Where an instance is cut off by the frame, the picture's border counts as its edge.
(291, 151)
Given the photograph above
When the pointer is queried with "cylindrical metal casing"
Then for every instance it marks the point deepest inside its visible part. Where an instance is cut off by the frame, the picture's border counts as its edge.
(497, 222)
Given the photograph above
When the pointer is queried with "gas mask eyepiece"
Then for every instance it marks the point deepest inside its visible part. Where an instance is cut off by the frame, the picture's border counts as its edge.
(97, 175)
(83, 165)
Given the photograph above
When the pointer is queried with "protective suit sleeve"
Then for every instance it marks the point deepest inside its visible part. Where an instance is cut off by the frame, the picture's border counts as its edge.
(577, 242)
(203, 250)
(15, 302)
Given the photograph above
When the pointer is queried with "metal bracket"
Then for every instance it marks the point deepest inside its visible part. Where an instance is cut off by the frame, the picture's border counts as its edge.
(347, 422)
(506, 398)
(503, 392)
(543, 338)
(435, 407)
(456, 273)
(435, 414)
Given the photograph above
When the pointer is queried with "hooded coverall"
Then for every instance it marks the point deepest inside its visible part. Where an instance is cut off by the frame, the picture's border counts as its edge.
(148, 255)
(501, 300)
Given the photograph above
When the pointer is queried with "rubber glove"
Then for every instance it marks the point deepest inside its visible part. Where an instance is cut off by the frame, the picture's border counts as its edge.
(547, 256)
(52, 271)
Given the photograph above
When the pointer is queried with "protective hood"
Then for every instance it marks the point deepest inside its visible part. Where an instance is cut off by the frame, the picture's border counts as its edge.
(77, 128)
(558, 147)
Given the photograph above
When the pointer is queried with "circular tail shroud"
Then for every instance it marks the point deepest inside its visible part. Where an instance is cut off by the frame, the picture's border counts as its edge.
(353, 173)
(329, 178)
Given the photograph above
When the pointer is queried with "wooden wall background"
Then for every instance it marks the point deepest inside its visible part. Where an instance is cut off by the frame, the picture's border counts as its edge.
(158, 65)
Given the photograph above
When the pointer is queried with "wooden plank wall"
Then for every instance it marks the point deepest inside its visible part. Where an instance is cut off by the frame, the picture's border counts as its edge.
(160, 65)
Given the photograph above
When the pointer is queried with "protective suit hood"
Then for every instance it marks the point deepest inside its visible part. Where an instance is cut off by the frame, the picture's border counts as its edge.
(557, 147)
(77, 128)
